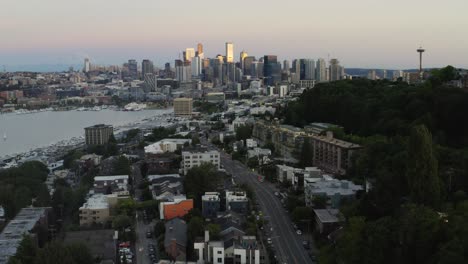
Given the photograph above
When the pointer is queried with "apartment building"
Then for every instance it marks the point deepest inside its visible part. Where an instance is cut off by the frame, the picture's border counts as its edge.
(117, 184)
(98, 134)
(331, 154)
(27, 222)
(96, 209)
(193, 158)
(183, 107)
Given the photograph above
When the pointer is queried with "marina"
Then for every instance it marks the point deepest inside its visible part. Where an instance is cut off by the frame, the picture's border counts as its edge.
(47, 135)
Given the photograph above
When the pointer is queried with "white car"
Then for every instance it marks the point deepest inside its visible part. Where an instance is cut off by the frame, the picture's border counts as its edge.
(299, 232)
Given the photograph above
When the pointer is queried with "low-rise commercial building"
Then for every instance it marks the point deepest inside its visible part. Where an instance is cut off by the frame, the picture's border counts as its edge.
(175, 239)
(211, 204)
(258, 152)
(326, 220)
(333, 189)
(166, 145)
(165, 183)
(297, 176)
(117, 184)
(179, 207)
(237, 201)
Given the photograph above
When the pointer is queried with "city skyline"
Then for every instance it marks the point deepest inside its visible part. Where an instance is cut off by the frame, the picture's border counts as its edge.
(362, 34)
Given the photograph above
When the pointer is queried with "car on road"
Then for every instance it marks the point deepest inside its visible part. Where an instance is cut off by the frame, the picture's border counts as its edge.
(276, 194)
(299, 232)
(269, 240)
(149, 234)
(306, 244)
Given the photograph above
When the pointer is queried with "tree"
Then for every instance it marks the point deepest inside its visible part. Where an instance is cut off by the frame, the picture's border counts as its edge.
(195, 228)
(301, 214)
(195, 140)
(159, 229)
(80, 253)
(122, 166)
(26, 252)
(121, 222)
(244, 132)
(350, 245)
(422, 174)
(201, 179)
(214, 230)
(306, 154)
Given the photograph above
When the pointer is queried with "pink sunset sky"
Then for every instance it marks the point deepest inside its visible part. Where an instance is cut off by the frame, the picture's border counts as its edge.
(361, 33)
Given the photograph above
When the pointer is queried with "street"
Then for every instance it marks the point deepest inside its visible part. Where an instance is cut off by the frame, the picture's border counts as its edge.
(142, 242)
(287, 243)
(142, 226)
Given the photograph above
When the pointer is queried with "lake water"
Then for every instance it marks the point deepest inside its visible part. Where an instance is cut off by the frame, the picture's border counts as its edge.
(29, 131)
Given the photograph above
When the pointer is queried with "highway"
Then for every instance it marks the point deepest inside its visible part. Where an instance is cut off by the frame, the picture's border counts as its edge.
(288, 244)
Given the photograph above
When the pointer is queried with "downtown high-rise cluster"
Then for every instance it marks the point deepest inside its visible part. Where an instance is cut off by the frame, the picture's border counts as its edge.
(225, 69)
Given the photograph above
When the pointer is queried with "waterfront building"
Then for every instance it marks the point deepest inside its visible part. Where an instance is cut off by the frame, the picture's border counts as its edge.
(98, 134)
(183, 107)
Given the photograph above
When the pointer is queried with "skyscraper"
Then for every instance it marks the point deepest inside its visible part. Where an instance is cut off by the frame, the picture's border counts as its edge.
(271, 69)
(248, 65)
(286, 66)
(229, 52)
(133, 69)
(200, 50)
(336, 71)
(146, 67)
(296, 67)
(307, 69)
(196, 66)
(189, 54)
(150, 84)
(321, 71)
(87, 65)
(242, 56)
(183, 71)
(372, 75)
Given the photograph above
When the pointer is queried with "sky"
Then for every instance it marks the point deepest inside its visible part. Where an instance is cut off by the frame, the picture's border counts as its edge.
(360, 33)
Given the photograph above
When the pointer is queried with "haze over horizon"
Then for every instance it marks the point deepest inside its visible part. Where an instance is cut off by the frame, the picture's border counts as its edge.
(361, 33)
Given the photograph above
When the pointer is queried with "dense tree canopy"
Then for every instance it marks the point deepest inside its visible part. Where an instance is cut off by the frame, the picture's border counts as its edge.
(415, 157)
(19, 186)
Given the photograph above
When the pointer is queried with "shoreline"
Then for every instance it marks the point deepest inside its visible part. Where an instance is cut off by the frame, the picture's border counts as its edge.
(50, 153)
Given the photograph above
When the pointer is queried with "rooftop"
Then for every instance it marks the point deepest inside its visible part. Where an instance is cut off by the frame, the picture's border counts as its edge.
(99, 126)
(327, 215)
(330, 186)
(22, 224)
(176, 229)
(110, 178)
(211, 196)
(96, 201)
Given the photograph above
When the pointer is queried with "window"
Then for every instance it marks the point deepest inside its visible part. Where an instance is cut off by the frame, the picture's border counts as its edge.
(220, 260)
(220, 252)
